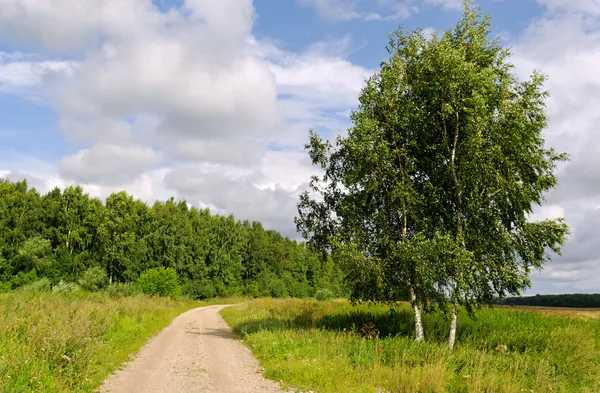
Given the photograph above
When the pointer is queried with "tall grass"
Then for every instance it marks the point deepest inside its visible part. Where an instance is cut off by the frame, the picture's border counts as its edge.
(70, 342)
(336, 347)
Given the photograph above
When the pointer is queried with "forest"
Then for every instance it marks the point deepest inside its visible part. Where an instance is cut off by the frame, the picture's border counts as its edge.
(63, 234)
(576, 300)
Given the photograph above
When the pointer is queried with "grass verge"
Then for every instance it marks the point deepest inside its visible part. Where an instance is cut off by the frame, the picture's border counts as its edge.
(336, 347)
(71, 342)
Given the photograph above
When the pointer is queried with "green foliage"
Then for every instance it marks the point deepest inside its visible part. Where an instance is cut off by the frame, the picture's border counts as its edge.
(430, 192)
(323, 294)
(41, 285)
(580, 300)
(63, 233)
(160, 281)
(94, 279)
(122, 289)
(335, 346)
(199, 289)
(35, 254)
(23, 278)
(65, 287)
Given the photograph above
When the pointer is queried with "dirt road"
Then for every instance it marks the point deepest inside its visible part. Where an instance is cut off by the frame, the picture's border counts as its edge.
(196, 353)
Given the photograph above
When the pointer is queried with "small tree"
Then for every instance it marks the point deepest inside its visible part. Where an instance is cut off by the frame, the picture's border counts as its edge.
(36, 254)
(431, 190)
(94, 279)
(160, 281)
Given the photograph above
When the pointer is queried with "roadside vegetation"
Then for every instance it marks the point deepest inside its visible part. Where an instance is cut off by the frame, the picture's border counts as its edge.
(333, 346)
(57, 342)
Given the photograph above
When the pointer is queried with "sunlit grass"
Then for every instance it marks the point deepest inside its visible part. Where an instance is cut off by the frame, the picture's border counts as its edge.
(71, 342)
(325, 346)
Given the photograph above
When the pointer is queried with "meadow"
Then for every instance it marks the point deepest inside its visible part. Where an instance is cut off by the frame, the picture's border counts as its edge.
(70, 342)
(333, 346)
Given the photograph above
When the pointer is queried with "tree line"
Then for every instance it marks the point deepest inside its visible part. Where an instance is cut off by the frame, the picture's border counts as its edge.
(575, 300)
(65, 233)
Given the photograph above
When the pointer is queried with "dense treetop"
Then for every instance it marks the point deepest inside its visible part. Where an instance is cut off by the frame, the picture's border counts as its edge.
(64, 233)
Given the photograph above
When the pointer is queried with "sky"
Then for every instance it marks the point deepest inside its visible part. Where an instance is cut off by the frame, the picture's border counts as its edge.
(211, 100)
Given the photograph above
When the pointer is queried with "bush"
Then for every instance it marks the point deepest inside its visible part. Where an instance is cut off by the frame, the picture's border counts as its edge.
(277, 288)
(199, 289)
(120, 289)
(65, 287)
(160, 281)
(221, 289)
(252, 290)
(323, 294)
(94, 279)
(41, 285)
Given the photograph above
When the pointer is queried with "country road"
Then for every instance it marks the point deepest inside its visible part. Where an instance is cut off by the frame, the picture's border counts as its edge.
(197, 352)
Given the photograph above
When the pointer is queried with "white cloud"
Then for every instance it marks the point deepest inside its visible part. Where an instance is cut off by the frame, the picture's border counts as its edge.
(186, 102)
(381, 10)
(108, 164)
(275, 207)
(20, 71)
(189, 90)
(574, 85)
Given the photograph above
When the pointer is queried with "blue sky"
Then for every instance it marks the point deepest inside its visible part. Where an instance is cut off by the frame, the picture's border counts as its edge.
(211, 100)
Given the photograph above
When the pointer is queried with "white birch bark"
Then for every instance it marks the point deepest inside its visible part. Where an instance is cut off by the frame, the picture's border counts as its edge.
(452, 335)
(418, 322)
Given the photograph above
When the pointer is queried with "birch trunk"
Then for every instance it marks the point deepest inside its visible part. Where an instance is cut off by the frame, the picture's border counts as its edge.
(418, 322)
(452, 335)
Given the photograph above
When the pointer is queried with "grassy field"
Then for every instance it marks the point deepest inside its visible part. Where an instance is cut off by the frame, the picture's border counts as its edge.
(70, 343)
(336, 347)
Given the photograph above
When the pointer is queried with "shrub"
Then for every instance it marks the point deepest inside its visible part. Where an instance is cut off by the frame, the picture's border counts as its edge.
(36, 253)
(199, 289)
(221, 289)
(41, 285)
(323, 294)
(94, 279)
(160, 281)
(120, 289)
(65, 287)
(277, 288)
(252, 290)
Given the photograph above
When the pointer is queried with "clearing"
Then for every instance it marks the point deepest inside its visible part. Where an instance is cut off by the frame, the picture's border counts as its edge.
(196, 353)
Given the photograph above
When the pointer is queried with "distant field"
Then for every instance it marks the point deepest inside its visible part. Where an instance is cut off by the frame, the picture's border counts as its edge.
(336, 347)
(69, 343)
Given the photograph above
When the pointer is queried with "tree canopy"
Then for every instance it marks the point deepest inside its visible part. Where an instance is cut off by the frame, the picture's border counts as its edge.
(66, 235)
(432, 189)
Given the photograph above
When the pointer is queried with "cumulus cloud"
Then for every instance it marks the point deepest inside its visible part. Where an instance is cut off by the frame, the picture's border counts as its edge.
(19, 71)
(574, 86)
(187, 101)
(274, 206)
(108, 164)
(184, 100)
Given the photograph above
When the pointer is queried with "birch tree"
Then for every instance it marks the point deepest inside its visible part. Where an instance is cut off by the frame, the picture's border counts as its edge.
(488, 164)
(432, 188)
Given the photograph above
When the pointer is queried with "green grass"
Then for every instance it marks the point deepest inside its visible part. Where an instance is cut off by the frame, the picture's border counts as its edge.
(71, 342)
(336, 347)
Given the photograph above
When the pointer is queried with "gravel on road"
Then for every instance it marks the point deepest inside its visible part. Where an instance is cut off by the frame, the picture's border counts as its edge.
(197, 352)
